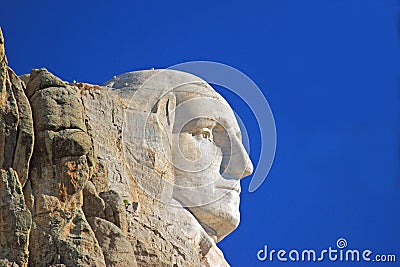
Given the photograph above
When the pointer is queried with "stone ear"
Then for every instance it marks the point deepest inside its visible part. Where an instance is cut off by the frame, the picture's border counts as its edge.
(165, 110)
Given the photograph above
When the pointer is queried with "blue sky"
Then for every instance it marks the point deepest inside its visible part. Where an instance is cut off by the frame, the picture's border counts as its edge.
(329, 69)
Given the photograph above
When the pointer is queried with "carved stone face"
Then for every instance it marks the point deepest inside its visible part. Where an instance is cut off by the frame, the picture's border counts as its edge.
(205, 147)
(209, 158)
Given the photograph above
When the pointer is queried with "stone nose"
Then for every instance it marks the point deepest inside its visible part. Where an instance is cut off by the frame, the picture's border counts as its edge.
(249, 167)
(238, 164)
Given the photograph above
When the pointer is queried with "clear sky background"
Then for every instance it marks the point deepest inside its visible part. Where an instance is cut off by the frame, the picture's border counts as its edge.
(329, 69)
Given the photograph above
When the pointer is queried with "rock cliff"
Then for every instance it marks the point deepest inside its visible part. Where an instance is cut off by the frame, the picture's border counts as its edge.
(75, 192)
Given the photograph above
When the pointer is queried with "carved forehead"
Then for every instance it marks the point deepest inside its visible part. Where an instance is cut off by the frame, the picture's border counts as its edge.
(158, 80)
(152, 84)
(194, 97)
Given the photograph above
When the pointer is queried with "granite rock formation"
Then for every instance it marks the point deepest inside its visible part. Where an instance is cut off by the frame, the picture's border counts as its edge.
(16, 146)
(77, 190)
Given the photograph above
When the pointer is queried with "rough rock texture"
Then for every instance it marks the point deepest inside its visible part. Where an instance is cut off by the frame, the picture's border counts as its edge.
(115, 245)
(161, 234)
(75, 192)
(60, 168)
(15, 220)
(16, 144)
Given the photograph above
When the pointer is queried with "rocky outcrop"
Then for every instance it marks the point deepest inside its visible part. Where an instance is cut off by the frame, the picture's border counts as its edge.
(61, 166)
(16, 144)
(15, 220)
(75, 192)
(116, 247)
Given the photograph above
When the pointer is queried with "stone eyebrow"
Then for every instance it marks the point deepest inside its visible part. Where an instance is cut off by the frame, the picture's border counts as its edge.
(201, 122)
(206, 122)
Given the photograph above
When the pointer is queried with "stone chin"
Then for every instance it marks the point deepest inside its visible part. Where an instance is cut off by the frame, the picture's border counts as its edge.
(220, 216)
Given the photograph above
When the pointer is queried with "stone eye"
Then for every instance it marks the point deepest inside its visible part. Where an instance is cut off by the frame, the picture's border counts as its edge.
(204, 133)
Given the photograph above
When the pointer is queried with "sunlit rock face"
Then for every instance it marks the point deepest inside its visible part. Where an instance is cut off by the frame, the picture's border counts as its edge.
(204, 149)
(142, 171)
(187, 133)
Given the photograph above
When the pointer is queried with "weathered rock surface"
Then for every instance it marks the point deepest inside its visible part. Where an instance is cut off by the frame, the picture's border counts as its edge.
(75, 191)
(162, 233)
(15, 220)
(16, 144)
(61, 166)
(117, 250)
